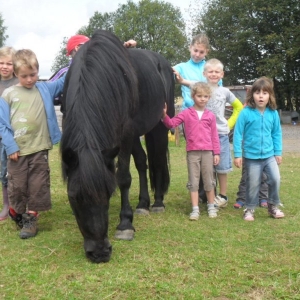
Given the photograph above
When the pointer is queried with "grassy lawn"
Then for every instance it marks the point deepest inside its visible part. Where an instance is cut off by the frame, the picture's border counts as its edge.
(170, 257)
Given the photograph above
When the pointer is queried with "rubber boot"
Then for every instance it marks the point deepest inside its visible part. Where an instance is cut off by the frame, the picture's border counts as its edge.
(17, 218)
(4, 212)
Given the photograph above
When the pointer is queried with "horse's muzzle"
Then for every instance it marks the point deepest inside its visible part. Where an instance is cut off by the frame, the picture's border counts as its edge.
(98, 251)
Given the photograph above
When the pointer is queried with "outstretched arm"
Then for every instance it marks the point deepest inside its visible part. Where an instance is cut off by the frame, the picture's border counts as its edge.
(181, 80)
(164, 111)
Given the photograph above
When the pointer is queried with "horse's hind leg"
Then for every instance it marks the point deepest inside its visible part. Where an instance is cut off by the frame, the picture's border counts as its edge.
(157, 149)
(125, 229)
(140, 161)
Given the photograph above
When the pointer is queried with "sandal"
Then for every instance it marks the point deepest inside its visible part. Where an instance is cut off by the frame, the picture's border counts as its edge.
(238, 204)
(263, 203)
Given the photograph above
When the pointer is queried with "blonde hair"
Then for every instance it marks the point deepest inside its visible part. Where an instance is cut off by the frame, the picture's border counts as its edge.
(262, 84)
(25, 57)
(202, 39)
(7, 51)
(200, 87)
(213, 62)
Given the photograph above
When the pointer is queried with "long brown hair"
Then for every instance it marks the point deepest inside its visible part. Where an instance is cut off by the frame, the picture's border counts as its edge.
(264, 84)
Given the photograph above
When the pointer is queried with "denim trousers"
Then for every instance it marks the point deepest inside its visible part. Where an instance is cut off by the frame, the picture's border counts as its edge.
(254, 171)
(263, 191)
(3, 169)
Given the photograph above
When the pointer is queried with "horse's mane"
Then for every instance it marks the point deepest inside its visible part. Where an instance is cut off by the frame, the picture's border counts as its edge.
(100, 96)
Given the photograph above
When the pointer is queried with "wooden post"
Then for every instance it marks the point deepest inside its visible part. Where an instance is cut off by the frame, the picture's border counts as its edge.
(177, 136)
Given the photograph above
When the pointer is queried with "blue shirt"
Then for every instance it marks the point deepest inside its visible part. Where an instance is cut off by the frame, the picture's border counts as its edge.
(190, 71)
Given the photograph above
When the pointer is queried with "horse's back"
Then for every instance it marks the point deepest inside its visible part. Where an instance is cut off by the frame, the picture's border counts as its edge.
(156, 87)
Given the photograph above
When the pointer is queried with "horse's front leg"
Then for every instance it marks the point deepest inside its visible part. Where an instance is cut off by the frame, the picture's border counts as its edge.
(125, 229)
(140, 161)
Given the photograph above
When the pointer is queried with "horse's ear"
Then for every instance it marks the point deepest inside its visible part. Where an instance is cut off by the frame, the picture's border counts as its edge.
(110, 154)
(70, 158)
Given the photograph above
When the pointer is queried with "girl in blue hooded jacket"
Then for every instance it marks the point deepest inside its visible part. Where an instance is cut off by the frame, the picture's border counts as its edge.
(258, 138)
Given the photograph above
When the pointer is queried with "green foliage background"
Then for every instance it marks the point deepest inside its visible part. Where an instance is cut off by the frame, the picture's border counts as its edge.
(252, 38)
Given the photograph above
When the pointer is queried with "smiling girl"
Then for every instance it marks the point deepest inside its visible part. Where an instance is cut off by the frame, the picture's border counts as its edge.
(194, 67)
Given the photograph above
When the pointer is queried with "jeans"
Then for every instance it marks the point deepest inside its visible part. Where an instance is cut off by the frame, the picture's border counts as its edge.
(225, 164)
(3, 169)
(241, 194)
(254, 170)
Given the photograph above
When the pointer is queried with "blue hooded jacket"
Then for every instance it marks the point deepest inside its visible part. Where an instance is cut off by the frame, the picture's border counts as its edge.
(257, 135)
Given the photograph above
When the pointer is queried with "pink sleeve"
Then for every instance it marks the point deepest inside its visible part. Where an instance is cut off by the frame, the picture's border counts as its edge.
(174, 122)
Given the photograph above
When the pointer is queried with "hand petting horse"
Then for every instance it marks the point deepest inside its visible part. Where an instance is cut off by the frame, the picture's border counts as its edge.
(112, 96)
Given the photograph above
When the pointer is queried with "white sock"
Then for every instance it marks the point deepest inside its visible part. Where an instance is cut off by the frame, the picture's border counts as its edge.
(195, 208)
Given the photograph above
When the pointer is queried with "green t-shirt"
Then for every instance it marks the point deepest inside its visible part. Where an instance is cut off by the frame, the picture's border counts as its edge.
(28, 119)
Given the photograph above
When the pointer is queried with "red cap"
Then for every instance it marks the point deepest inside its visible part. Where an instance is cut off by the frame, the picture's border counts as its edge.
(74, 41)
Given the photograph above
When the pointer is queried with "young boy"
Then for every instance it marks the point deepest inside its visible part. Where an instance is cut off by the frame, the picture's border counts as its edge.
(214, 72)
(29, 128)
(7, 79)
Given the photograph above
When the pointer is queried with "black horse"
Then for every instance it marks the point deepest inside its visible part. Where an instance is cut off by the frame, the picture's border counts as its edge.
(112, 96)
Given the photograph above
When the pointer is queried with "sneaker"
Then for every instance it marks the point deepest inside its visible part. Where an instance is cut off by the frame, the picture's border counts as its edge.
(212, 212)
(17, 219)
(29, 226)
(220, 201)
(274, 211)
(194, 215)
(248, 214)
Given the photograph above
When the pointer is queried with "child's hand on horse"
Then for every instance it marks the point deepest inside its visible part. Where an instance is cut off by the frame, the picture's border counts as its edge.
(178, 78)
(164, 111)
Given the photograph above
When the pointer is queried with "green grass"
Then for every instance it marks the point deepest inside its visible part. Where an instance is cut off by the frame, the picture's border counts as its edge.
(170, 257)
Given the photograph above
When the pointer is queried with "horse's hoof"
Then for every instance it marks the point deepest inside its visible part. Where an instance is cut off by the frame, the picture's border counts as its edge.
(158, 209)
(142, 211)
(126, 235)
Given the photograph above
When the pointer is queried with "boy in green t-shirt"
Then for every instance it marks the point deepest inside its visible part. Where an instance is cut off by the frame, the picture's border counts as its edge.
(29, 128)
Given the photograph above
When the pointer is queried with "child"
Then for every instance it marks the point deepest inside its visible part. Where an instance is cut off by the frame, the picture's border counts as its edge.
(241, 194)
(194, 67)
(258, 138)
(7, 79)
(213, 72)
(29, 128)
(202, 146)
(193, 70)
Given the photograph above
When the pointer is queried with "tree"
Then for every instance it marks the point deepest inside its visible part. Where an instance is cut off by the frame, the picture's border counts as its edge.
(255, 38)
(3, 36)
(98, 21)
(61, 60)
(156, 25)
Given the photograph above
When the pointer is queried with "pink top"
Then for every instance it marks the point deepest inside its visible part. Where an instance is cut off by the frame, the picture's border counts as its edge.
(200, 134)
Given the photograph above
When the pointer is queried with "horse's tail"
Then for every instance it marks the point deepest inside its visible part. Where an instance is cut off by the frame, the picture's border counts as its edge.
(158, 158)
(157, 138)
